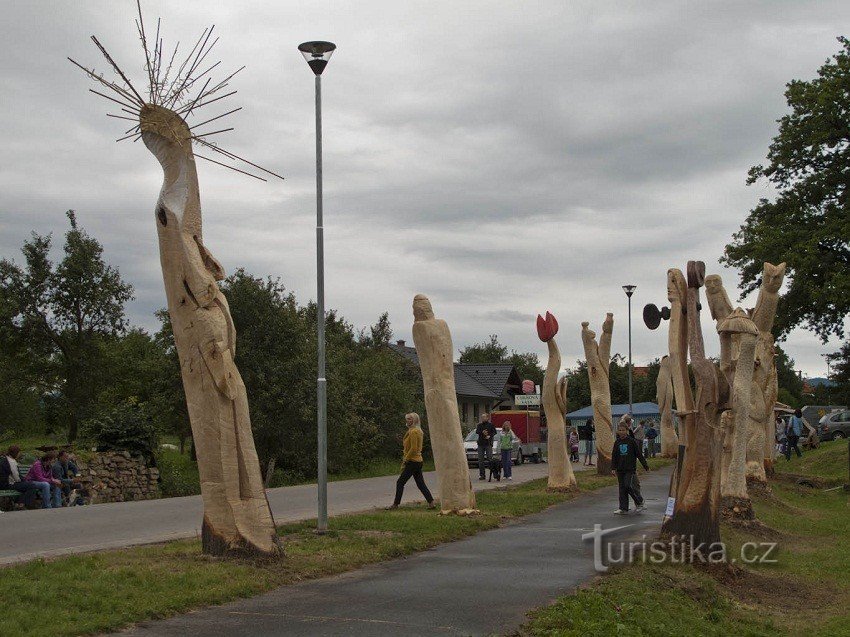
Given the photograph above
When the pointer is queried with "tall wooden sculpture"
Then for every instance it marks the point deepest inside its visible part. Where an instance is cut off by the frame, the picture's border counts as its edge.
(664, 398)
(434, 348)
(561, 477)
(237, 517)
(696, 511)
(760, 448)
(735, 500)
(598, 359)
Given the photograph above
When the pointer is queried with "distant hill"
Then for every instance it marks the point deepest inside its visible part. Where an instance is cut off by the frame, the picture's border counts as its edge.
(820, 381)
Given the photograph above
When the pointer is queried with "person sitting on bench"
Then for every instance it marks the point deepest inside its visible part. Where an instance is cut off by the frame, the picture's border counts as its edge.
(51, 489)
(10, 477)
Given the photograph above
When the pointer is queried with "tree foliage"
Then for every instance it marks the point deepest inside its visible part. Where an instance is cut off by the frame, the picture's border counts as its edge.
(492, 351)
(807, 225)
(58, 319)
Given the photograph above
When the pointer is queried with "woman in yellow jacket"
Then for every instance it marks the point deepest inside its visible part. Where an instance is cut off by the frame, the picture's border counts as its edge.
(411, 462)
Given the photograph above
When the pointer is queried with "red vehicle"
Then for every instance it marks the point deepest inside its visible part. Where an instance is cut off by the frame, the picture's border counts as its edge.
(526, 425)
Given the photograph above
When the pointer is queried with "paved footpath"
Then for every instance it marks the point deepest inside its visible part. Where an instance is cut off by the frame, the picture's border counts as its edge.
(121, 524)
(482, 585)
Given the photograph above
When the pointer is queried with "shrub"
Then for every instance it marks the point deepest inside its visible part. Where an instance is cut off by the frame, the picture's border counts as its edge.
(126, 427)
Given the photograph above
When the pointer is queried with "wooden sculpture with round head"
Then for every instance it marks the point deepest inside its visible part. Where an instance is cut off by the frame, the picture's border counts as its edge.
(237, 516)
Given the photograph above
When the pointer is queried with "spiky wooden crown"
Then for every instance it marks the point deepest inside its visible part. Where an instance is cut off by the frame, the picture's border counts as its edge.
(173, 95)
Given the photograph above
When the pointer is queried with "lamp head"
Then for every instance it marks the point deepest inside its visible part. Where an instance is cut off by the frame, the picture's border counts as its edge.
(317, 54)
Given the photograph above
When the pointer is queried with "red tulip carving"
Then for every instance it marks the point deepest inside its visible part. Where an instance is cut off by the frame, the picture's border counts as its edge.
(547, 328)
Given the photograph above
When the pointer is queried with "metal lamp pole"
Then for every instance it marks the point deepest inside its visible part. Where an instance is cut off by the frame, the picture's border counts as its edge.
(317, 55)
(629, 290)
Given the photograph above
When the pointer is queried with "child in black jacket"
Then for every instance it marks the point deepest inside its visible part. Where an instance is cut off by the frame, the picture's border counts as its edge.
(624, 458)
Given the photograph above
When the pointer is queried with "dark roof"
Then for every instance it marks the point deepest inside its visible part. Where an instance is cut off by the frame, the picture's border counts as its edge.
(493, 377)
(481, 381)
(467, 385)
(408, 352)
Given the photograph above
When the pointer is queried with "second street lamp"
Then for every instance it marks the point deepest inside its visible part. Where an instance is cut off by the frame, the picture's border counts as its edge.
(317, 55)
(629, 290)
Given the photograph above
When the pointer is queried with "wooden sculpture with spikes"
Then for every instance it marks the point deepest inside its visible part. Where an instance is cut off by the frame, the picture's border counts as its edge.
(561, 476)
(237, 516)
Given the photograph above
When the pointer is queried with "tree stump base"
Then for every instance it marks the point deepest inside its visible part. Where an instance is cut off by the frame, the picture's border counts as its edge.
(732, 508)
(460, 512)
(570, 489)
(214, 544)
(757, 487)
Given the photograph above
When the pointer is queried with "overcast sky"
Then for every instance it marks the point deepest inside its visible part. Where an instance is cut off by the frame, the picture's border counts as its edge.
(504, 158)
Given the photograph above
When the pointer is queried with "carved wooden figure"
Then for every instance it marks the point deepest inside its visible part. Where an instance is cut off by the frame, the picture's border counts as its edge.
(598, 357)
(237, 517)
(696, 513)
(434, 348)
(735, 500)
(664, 398)
(561, 476)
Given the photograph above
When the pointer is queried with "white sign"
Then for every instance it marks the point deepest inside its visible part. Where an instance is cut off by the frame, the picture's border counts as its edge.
(526, 400)
(671, 504)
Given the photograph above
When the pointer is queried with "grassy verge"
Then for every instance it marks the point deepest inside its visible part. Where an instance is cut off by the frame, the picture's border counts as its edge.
(806, 592)
(104, 591)
(828, 463)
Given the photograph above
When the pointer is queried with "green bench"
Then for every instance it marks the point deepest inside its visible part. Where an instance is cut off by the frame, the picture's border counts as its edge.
(11, 494)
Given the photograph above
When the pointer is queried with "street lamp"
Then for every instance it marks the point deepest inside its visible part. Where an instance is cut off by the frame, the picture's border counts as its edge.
(629, 290)
(317, 55)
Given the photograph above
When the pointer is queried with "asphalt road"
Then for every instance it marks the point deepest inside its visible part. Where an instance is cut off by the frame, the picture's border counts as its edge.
(121, 524)
(479, 586)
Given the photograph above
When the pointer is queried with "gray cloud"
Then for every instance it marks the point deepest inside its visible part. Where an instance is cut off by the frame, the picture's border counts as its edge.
(504, 158)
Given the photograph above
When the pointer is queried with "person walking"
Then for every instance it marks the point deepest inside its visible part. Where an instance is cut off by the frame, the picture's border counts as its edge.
(793, 433)
(586, 434)
(411, 462)
(624, 458)
(505, 440)
(651, 435)
(486, 431)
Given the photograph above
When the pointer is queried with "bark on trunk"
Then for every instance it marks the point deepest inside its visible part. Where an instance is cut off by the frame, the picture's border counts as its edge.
(237, 517)
(433, 343)
(598, 359)
(561, 476)
(734, 487)
(697, 503)
(664, 398)
(766, 378)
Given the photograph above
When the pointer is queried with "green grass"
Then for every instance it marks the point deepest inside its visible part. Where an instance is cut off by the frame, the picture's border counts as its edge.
(806, 592)
(104, 591)
(828, 462)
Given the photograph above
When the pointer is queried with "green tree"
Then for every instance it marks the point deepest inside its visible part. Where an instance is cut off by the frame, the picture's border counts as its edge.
(808, 223)
(57, 319)
(840, 363)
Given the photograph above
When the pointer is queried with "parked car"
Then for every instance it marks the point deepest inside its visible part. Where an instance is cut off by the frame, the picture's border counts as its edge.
(470, 446)
(835, 426)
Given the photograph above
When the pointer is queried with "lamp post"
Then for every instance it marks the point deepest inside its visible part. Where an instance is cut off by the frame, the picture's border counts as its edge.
(629, 290)
(317, 55)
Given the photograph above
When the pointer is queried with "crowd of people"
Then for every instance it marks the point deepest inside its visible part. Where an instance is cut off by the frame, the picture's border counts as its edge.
(52, 478)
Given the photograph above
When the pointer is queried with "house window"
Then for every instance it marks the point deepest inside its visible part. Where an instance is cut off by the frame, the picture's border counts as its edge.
(464, 411)
(475, 412)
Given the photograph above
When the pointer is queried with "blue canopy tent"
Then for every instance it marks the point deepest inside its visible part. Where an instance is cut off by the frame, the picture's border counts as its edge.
(640, 411)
